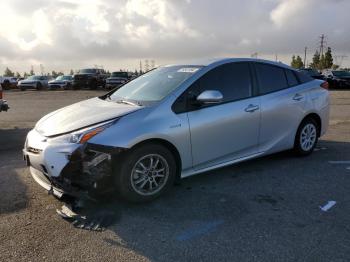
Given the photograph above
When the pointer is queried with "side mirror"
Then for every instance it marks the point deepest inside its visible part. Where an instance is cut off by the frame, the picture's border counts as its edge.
(210, 97)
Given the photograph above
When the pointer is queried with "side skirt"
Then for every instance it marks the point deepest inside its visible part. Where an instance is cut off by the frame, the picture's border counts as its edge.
(192, 171)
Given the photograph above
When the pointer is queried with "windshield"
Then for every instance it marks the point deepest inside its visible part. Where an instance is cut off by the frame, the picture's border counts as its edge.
(154, 85)
(341, 73)
(64, 78)
(120, 74)
(34, 77)
(87, 71)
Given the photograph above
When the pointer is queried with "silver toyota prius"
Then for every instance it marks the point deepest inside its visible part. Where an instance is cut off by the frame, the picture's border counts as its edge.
(173, 122)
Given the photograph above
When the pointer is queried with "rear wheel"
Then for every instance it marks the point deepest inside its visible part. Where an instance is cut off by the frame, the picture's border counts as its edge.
(6, 85)
(39, 86)
(146, 173)
(307, 137)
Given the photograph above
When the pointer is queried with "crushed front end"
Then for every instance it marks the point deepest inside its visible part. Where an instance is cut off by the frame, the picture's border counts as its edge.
(74, 169)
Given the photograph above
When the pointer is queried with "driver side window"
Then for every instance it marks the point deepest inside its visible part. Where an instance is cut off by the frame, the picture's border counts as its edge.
(232, 80)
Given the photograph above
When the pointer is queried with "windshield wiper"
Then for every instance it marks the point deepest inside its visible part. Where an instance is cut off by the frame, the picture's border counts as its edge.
(127, 102)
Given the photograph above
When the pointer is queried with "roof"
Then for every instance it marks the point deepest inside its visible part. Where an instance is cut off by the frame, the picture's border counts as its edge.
(218, 61)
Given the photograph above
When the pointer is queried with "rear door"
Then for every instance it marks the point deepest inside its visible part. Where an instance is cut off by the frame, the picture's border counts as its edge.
(228, 130)
(283, 102)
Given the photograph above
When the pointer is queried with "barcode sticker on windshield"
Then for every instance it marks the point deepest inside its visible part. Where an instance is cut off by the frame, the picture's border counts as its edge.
(188, 70)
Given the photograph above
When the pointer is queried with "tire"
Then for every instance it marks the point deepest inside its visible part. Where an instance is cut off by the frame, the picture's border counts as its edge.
(22, 88)
(6, 85)
(307, 137)
(39, 86)
(134, 182)
(93, 84)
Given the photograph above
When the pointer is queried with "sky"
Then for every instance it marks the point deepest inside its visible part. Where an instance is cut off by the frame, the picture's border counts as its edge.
(116, 34)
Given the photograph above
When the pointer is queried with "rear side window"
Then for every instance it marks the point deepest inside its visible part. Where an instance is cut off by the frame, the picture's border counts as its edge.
(291, 78)
(270, 78)
(303, 77)
(232, 80)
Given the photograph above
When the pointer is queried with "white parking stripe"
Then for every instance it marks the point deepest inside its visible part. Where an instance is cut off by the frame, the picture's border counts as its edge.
(328, 206)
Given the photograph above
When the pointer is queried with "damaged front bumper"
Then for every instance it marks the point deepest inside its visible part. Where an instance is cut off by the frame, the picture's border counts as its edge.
(68, 168)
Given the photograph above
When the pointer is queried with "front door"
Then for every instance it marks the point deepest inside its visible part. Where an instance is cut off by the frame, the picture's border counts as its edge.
(230, 129)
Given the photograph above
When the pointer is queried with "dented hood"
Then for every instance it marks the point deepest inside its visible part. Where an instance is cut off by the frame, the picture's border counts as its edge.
(81, 115)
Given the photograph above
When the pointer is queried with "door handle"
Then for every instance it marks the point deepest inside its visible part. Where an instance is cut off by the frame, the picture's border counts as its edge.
(251, 108)
(298, 97)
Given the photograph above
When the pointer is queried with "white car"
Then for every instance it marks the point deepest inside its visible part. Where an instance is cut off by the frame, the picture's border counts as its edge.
(34, 82)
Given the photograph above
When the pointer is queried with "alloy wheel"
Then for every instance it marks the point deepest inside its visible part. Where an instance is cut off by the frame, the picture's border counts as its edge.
(149, 174)
(308, 137)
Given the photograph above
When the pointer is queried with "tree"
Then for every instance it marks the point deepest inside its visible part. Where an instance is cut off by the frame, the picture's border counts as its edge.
(18, 75)
(25, 74)
(315, 61)
(328, 58)
(71, 72)
(297, 62)
(335, 67)
(31, 73)
(8, 72)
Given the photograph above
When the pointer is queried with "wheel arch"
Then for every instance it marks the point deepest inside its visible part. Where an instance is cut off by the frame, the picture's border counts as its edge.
(170, 147)
(318, 120)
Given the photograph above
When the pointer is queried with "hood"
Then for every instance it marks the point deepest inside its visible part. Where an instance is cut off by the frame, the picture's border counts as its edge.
(81, 115)
(27, 81)
(116, 78)
(59, 81)
(344, 77)
(84, 74)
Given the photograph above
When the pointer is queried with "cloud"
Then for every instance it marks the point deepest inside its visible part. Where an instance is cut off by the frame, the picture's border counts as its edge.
(64, 34)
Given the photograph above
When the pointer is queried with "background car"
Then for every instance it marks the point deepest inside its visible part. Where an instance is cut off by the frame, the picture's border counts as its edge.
(338, 78)
(37, 82)
(90, 78)
(313, 73)
(117, 79)
(8, 82)
(61, 82)
(3, 104)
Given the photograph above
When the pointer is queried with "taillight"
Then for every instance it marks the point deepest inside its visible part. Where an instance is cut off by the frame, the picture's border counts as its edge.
(325, 85)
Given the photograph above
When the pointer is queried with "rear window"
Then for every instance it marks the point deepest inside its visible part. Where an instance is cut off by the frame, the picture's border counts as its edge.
(271, 78)
(303, 77)
(291, 78)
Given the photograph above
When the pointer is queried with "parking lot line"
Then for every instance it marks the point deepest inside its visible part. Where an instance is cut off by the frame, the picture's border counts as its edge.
(328, 206)
(201, 230)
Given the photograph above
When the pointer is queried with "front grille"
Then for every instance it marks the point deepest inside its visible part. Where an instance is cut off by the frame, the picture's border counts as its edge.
(55, 86)
(34, 150)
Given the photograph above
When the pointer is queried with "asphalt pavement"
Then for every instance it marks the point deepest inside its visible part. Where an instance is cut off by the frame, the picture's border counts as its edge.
(276, 208)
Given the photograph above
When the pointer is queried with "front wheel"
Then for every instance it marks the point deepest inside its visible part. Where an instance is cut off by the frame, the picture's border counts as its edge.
(39, 86)
(146, 173)
(307, 137)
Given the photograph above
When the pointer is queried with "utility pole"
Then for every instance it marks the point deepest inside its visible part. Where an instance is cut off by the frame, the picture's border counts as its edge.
(322, 44)
(140, 67)
(305, 56)
(146, 65)
(254, 55)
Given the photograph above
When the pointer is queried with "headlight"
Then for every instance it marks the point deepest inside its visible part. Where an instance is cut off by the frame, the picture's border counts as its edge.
(85, 135)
